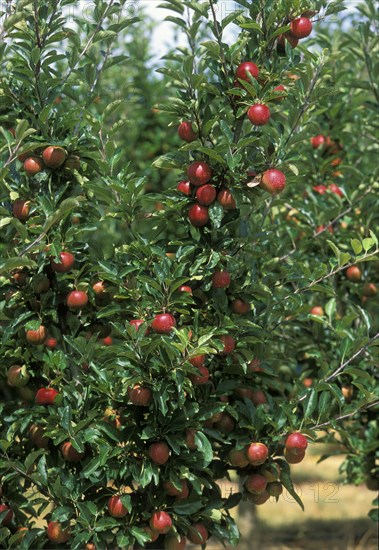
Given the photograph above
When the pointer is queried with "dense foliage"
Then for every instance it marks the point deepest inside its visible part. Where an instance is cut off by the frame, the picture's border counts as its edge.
(154, 341)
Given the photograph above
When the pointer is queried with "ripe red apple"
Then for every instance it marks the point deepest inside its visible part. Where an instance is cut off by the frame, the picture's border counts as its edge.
(54, 156)
(273, 181)
(160, 522)
(254, 366)
(190, 440)
(56, 534)
(226, 199)
(336, 190)
(318, 141)
(159, 452)
(307, 382)
(240, 307)
(36, 337)
(229, 344)
(226, 424)
(259, 498)
(140, 396)
(317, 310)
(171, 490)
(163, 323)
(69, 453)
(197, 360)
(184, 187)
(136, 323)
(51, 343)
(8, 517)
(33, 165)
(353, 273)
(293, 458)
(18, 376)
(198, 215)
(107, 341)
(291, 39)
(255, 483)
(320, 189)
(198, 533)
(296, 443)
(186, 132)
(256, 453)
(259, 398)
(185, 288)
(199, 172)
(77, 299)
(20, 277)
(238, 458)
(171, 542)
(321, 228)
(206, 194)
(99, 288)
(259, 114)
(116, 508)
(21, 209)
(46, 396)
(301, 27)
(245, 69)
(221, 279)
(37, 436)
(369, 289)
(201, 378)
(280, 88)
(66, 263)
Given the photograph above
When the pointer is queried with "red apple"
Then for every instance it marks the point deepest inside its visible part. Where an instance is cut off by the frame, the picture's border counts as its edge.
(184, 187)
(66, 263)
(190, 440)
(318, 141)
(353, 273)
(291, 39)
(273, 181)
(51, 343)
(254, 366)
(36, 337)
(186, 132)
(160, 522)
(56, 534)
(206, 194)
(317, 310)
(116, 508)
(301, 27)
(185, 288)
(226, 424)
(33, 165)
(369, 289)
(229, 344)
(107, 341)
(77, 299)
(226, 199)
(336, 190)
(201, 378)
(37, 436)
(8, 517)
(198, 533)
(199, 172)
(221, 279)
(152, 534)
(198, 215)
(197, 360)
(159, 452)
(140, 396)
(280, 88)
(18, 376)
(99, 288)
(296, 443)
(70, 454)
(172, 491)
(54, 156)
(321, 189)
(259, 498)
(240, 307)
(238, 458)
(21, 209)
(136, 323)
(255, 483)
(259, 114)
(245, 69)
(259, 398)
(293, 458)
(46, 396)
(257, 453)
(163, 323)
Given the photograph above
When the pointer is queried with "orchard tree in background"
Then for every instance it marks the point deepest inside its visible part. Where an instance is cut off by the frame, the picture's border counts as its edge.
(154, 342)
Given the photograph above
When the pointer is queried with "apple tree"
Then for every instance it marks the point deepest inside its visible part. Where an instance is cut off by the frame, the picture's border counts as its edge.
(150, 352)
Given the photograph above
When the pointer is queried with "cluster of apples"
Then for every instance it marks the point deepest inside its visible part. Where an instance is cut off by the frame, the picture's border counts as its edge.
(300, 28)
